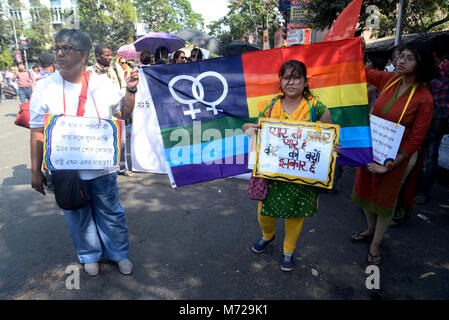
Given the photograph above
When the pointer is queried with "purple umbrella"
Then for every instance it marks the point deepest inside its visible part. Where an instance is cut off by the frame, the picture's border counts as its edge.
(153, 40)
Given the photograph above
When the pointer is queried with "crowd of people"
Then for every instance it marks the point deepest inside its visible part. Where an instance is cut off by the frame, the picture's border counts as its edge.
(411, 89)
(22, 81)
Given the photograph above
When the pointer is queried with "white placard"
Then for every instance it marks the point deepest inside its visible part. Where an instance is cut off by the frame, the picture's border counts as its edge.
(82, 143)
(386, 137)
(300, 152)
(295, 36)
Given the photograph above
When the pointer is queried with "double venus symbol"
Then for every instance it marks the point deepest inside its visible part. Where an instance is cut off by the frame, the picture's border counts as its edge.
(199, 96)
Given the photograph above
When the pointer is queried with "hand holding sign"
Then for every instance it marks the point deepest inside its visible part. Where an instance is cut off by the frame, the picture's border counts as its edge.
(250, 129)
(297, 151)
(376, 168)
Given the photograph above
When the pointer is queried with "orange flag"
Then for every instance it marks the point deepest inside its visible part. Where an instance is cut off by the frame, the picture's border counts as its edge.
(344, 26)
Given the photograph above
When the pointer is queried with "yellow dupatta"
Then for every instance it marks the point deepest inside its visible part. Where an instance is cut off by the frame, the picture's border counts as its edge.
(302, 112)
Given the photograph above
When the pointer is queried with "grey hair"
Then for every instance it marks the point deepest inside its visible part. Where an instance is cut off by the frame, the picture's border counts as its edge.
(77, 38)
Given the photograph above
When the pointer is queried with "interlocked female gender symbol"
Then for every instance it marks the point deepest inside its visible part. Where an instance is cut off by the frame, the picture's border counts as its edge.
(199, 96)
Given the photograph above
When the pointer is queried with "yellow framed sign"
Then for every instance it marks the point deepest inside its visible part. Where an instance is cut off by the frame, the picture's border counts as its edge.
(296, 151)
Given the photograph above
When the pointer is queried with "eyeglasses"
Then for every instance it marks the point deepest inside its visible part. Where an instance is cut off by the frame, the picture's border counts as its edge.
(407, 59)
(123, 62)
(65, 49)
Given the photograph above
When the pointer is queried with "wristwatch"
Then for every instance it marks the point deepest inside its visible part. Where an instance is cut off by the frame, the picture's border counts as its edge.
(130, 91)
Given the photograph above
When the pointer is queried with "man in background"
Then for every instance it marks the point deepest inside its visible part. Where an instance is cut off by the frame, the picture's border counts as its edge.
(25, 82)
(106, 66)
(48, 63)
(439, 125)
(36, 70)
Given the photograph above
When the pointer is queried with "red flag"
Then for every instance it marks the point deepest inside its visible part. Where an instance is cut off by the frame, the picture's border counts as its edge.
(344, 26)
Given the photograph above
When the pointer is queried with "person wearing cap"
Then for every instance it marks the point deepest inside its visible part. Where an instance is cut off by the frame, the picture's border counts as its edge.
(48, 63)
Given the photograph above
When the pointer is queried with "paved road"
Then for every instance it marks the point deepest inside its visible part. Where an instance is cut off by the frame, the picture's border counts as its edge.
(194, 242)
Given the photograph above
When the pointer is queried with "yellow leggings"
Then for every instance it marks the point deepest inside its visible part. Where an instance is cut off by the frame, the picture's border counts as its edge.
(293, 227)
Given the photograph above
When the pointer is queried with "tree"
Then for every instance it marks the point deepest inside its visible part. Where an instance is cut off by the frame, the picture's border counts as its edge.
(108, 21)
(40, 35)
(168, 15)
(420, 15)
(6, 24)
(249, 16)
(6, 58)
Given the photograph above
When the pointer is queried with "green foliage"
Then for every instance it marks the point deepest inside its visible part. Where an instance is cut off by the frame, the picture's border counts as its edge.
(108, 21)
(40, 35)
(248, 16)
(420, 15)
(6, 58)
(168, 15)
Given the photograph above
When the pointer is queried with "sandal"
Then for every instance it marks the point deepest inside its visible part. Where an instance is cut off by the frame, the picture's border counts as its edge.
(378, 262)
(363, 238)
(128, 173)
(125, 173)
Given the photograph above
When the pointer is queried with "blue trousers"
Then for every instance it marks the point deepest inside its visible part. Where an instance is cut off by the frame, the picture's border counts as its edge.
(24, 94)
(100, 229)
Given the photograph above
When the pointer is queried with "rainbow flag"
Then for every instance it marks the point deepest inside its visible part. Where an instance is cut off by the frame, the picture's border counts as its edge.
(202, 106)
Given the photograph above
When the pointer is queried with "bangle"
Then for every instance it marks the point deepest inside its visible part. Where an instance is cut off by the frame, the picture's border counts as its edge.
(131, 91)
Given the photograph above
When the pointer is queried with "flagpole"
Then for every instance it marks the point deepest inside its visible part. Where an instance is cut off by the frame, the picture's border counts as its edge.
(400, 22)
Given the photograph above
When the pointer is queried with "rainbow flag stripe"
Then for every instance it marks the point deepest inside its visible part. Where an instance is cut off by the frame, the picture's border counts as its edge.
(49, 124)
(116, 126)
(202, 106)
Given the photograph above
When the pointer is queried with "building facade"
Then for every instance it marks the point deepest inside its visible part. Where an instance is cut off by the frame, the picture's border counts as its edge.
(27, 11)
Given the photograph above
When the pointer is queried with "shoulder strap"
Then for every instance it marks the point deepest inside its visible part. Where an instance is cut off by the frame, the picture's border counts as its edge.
(114, 66)
(263, 112)
(83, 95)
(392, 83)
(313, 117)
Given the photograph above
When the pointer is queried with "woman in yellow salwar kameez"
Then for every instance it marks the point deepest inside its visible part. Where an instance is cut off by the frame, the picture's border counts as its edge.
(287, 200)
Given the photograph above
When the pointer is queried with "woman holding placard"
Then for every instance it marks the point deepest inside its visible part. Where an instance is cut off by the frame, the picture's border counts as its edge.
(404, 100)
(291, 201)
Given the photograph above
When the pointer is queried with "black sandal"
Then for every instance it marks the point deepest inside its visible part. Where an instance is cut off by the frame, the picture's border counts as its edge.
(363, 238)
(374, 257)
